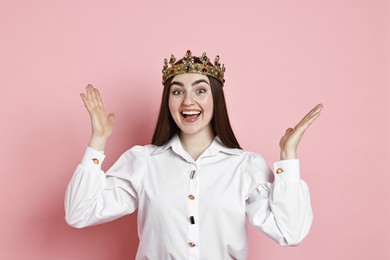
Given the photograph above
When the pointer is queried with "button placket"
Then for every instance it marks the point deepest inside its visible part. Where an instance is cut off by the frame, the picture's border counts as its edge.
(193, 213)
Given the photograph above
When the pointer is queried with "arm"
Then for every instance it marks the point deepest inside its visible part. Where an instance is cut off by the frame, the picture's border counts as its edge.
(282, 210)
(92, 197)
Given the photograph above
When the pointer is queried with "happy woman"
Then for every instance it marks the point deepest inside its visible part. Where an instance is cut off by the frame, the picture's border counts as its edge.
(193, 186)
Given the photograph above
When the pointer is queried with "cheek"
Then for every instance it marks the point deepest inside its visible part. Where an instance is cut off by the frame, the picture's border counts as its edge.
(173, 106)
(208, 105)
(170, 109)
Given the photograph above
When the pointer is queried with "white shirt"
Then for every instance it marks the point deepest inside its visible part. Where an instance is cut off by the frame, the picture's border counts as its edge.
(192, 209)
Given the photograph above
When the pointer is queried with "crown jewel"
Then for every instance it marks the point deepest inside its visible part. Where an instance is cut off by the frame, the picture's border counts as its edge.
(190, 64)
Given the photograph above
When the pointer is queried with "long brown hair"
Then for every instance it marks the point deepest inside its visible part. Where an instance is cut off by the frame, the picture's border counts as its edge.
(166, 127)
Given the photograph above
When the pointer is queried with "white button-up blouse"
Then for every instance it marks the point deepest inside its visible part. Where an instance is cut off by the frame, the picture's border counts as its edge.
(192, 209)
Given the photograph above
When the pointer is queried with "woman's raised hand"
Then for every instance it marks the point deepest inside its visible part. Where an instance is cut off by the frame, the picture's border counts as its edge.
(289, 142)
(101, 122)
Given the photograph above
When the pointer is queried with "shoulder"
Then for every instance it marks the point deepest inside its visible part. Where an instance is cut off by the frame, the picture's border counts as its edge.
(251, 156)
(242, 155)
(134, 160)
(250, 160)
(254, 161)
(256, 168)
(141, 150)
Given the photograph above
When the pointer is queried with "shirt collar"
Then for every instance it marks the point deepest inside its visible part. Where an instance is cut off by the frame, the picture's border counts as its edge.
(170, 143)
(215, 147)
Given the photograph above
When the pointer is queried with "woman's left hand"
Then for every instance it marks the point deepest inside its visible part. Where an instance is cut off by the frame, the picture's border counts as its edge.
(289, 142)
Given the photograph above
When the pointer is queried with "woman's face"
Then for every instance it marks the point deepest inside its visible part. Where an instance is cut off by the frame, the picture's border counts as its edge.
(191, 103)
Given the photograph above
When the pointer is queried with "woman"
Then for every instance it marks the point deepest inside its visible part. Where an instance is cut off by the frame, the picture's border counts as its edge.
(193, 186)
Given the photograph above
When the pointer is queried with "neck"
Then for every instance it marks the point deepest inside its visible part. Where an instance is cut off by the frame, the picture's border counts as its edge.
(195, 144)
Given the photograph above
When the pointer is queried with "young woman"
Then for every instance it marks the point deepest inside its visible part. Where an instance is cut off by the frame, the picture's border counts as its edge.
(193, 186)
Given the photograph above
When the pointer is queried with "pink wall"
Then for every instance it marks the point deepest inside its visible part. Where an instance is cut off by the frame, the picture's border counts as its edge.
(282, 58)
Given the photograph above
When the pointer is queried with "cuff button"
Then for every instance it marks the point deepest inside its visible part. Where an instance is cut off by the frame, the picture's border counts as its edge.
(95, 161)
(279, 170)
(191, 244)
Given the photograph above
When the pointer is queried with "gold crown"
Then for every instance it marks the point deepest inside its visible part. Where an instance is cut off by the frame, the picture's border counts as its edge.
(193, 64)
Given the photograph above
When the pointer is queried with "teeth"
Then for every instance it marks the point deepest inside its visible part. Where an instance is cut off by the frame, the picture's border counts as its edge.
(190, 113)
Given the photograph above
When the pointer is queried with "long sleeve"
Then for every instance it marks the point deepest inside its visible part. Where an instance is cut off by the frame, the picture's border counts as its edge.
(94, 197)
(281, 209)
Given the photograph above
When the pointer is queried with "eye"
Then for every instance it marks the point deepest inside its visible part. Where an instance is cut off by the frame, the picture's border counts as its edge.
(201, 91)
(177, 92)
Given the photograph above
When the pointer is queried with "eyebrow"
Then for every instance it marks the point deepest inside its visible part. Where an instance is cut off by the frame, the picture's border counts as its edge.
(193, 83)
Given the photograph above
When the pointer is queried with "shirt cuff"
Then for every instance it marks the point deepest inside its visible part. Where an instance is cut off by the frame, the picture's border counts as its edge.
(93, 158)
(287, 170)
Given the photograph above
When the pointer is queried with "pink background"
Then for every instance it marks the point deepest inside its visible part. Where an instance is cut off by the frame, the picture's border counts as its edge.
(282, 58)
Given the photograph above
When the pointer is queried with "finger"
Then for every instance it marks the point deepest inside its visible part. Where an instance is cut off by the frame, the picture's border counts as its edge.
(288, 131)
(89, 89)
(312, 118)
(88, 99)
(85, 101)
(287, 134)
(318, 107)
(306, 122)
(94, 97)
(99, 101)
(313, 111)
(111, 118)
(84, 98)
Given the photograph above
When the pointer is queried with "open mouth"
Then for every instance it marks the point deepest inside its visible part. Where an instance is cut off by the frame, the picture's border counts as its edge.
(191, 114)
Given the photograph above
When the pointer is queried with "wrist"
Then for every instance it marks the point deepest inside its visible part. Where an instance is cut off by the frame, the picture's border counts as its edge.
(288, 155)
(98, 143)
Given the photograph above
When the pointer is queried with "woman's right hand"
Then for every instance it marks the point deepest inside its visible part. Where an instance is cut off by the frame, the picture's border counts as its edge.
(102, 124)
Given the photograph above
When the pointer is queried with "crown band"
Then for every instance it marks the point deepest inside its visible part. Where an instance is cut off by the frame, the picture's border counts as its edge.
(193, 64)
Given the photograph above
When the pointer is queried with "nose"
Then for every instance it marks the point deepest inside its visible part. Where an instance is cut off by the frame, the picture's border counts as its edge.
(188, 99)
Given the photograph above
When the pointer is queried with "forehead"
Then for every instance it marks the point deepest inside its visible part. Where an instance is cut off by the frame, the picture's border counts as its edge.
(190, 77)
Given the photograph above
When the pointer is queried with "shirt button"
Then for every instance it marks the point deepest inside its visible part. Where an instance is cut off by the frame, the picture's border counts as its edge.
(279, 170)
(191, 197)
(95, 161)
(191, 244)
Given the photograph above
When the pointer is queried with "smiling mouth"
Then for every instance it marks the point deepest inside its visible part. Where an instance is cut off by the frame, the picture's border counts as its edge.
(191, 114)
